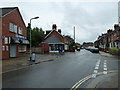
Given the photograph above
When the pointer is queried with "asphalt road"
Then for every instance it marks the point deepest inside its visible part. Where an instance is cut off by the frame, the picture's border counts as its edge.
(63, 72)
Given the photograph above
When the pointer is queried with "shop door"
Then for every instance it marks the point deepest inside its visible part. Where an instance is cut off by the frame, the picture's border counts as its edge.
(12, 51)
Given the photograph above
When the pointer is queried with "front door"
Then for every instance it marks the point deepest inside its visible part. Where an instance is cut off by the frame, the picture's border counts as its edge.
(12, 50)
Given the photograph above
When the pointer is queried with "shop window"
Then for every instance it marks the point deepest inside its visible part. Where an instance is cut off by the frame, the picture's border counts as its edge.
(22, 48)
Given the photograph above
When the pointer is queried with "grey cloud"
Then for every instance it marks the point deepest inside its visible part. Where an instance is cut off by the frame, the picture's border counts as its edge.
(88, 25)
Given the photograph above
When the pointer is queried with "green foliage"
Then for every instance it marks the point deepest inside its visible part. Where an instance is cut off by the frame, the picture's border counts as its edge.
(114, 50)
(37, 35)
(70, 39)
(71, 42)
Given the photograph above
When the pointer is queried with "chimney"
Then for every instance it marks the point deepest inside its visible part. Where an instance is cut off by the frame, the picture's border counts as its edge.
(109, 31)
(59, 30)
(116, 26)
(54, 27)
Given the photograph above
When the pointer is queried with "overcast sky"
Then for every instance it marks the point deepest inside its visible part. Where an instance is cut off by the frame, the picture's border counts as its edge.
(91, 19)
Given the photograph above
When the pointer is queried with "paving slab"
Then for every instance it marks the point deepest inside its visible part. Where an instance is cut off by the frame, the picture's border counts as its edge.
(23, 61)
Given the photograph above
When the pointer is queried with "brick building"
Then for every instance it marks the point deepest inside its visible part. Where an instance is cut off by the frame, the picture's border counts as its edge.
(87, 44)
(109, 39)
(14, 33)
(54, 40)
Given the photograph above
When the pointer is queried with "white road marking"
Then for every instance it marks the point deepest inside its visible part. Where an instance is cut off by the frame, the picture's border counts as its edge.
(105, 60)
(104, 72)
(95, 71)
(93, 75)
(105, 63)
(96, 67)
(105, 66)
(105, 69)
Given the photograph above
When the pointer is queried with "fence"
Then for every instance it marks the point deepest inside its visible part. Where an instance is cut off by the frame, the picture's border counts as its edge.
(38, 50)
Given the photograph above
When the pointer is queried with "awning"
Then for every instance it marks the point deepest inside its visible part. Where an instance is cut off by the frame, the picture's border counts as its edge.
(18, 41)
(14, 40)
(25, 41)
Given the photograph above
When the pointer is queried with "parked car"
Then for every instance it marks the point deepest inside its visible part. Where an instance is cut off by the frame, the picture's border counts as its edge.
(78, 49)
(92, 49)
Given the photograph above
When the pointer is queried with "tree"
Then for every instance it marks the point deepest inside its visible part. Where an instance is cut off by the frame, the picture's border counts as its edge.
(37, 35)
(71, 42)
(70, 39)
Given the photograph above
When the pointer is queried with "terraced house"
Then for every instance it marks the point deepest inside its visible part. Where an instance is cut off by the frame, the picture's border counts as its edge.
(14, 39)
(109, 39)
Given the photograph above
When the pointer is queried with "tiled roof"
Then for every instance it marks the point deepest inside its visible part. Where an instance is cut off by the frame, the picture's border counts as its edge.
(6, 10)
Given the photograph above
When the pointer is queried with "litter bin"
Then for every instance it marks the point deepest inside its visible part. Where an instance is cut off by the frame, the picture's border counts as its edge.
(33, 57)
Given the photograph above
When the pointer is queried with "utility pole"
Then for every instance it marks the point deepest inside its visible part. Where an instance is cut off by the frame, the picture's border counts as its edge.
(74, 33)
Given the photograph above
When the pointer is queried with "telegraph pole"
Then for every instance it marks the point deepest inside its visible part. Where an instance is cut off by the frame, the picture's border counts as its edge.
(74, 33)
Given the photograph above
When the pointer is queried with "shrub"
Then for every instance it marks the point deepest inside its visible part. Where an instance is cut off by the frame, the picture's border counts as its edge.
(114, 50)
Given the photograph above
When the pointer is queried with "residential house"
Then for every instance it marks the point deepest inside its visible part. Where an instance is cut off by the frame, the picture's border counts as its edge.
(87, 44)
(54, 41)
(14, 33)
(109, 39)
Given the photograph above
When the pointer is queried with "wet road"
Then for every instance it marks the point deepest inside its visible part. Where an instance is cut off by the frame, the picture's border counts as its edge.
(63, 72)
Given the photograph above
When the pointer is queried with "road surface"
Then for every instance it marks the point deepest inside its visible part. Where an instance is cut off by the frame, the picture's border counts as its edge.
(63, 72)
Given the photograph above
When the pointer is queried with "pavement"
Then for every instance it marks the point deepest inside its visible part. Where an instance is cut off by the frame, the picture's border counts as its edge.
(105, 82)
(21, 62)
(110, 80)
(106, 54)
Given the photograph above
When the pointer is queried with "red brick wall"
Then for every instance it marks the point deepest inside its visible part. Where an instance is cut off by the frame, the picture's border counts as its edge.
(13, 17)
(45, 47)
(0, 39)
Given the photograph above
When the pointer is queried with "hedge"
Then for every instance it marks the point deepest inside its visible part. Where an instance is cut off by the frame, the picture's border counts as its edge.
(114, 50)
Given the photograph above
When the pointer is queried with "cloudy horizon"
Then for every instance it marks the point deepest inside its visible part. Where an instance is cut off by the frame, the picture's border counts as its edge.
(91, 19)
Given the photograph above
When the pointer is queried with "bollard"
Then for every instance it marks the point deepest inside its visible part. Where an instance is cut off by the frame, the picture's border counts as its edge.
(33, 57)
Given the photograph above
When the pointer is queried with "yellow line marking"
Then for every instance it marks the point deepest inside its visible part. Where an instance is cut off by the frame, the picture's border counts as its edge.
(74, 87)
(80, 81)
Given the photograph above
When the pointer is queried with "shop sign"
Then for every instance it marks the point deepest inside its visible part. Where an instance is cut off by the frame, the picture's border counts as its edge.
(19, 36)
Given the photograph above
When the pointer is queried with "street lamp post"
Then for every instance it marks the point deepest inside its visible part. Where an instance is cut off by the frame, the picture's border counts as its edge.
(30, 37)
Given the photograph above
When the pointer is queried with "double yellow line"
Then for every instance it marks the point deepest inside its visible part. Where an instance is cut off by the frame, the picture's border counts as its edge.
(74, 87)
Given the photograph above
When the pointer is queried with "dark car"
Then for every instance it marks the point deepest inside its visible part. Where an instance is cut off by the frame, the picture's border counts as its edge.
(78, 49)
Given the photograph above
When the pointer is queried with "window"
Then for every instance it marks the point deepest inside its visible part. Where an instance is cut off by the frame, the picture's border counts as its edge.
(20, 31)
(13, 28)
(22, 48)
(3, 48)
(6, 40)
(7, 49)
